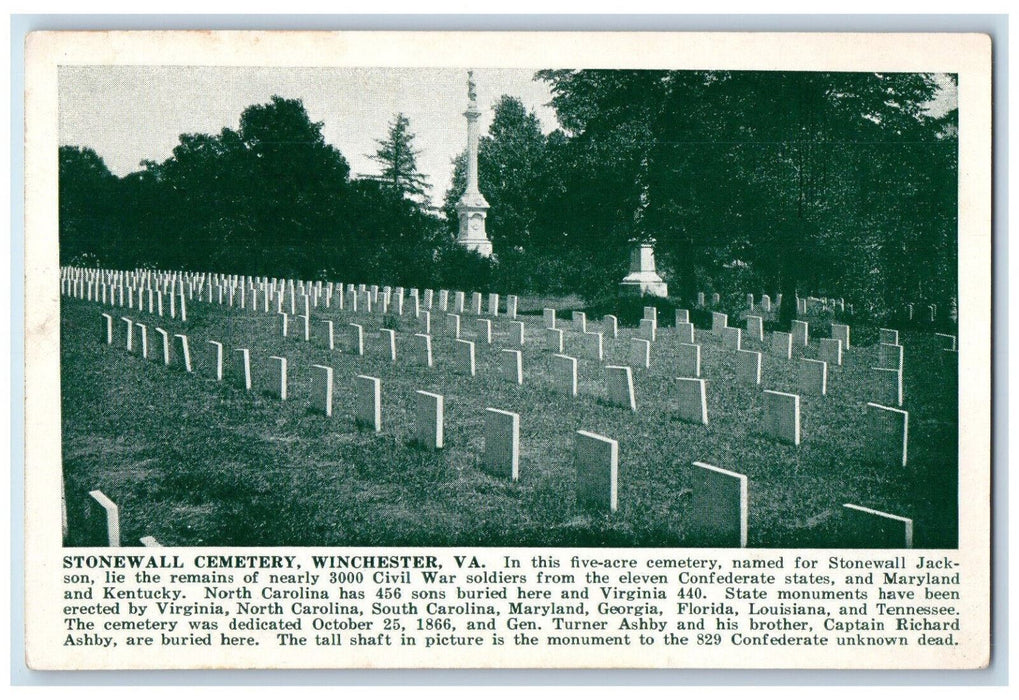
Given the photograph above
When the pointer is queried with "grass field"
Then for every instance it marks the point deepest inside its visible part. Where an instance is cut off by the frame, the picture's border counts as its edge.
(192, 461)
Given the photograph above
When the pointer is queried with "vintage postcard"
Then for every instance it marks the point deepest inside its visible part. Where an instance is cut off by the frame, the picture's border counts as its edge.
(507, 350)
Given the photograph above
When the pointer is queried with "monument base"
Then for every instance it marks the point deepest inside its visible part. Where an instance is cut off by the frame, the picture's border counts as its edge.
(481, 246)
(643, 284)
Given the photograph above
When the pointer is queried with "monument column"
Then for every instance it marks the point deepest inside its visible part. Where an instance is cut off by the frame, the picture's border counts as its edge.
(472, 207)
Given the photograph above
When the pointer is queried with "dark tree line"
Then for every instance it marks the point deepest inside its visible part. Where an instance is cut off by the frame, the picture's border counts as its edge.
(812, 183)
(272, 198)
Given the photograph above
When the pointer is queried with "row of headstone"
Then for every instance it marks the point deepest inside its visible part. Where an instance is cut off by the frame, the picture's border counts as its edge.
(717, 507)
(275, 294)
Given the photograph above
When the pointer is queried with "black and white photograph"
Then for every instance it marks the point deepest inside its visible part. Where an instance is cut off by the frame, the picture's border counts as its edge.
(522, 313)
(398, 307)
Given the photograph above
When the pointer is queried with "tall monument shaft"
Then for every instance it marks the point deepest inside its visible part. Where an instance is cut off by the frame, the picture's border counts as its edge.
(472, 208)
(472, 115)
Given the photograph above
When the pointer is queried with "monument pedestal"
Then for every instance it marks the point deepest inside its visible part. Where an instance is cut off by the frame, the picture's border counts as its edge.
(472, 210)
(643, 280)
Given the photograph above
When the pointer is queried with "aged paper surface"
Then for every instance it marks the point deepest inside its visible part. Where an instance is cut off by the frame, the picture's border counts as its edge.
(385, 601)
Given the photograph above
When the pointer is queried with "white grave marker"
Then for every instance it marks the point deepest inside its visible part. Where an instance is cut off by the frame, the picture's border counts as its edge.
(322, 389)
(429, 426)
(501, 455)
(564, 373)
(619, 381)
(691, 400)
(782, 416)
(596, 459)
(368, 402)
(718, 507)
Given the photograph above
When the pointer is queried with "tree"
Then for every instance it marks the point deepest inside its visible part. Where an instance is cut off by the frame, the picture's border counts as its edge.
(86, 205)
(789, 182)
(398, 157)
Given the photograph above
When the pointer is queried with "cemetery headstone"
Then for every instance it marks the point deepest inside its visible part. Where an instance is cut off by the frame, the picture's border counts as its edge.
(129, 328)
(813, 377)
(501, 455)
(782, 345)
(244, 368)
(164, 337)
(889, 386)
(691, 400)
(278, 377)
(889, 356)
(732, 338)
(830, 351)
(688, 360)
(183, 351)
(216, 359)
(511, 366)
(517, 333)
(888, 434)
(684, 332)
(748, 367)
(512, 301)
(755, 328)
(718, 508)
(484, 330)
(873, 529)
(143, 339)
(423, 349)
(718, 322)
(580, 322)
(100, 521)
(368, 402)
(887, 335)
(840, 332)
(619, 381)
(596, 459)
(782, 416)
(387, 340)
(322, 389)
(591, 343)
(800, 333)
(429, 426)
(356, 342)
(107, 329)
(641, 353)
(555, 339)
(564, 373)
(610, 326)
(453, 325)
(548, 315)
(647, 329)
(329, 334)
(948, 342)
(463, 357)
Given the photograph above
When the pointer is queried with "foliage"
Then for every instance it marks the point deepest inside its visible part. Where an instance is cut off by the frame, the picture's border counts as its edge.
(398, 157)
(838, 184)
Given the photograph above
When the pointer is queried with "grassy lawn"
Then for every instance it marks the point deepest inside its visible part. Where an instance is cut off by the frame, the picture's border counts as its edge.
(193, 461)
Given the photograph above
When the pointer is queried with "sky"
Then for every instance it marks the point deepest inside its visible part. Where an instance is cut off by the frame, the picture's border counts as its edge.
(127, 114)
